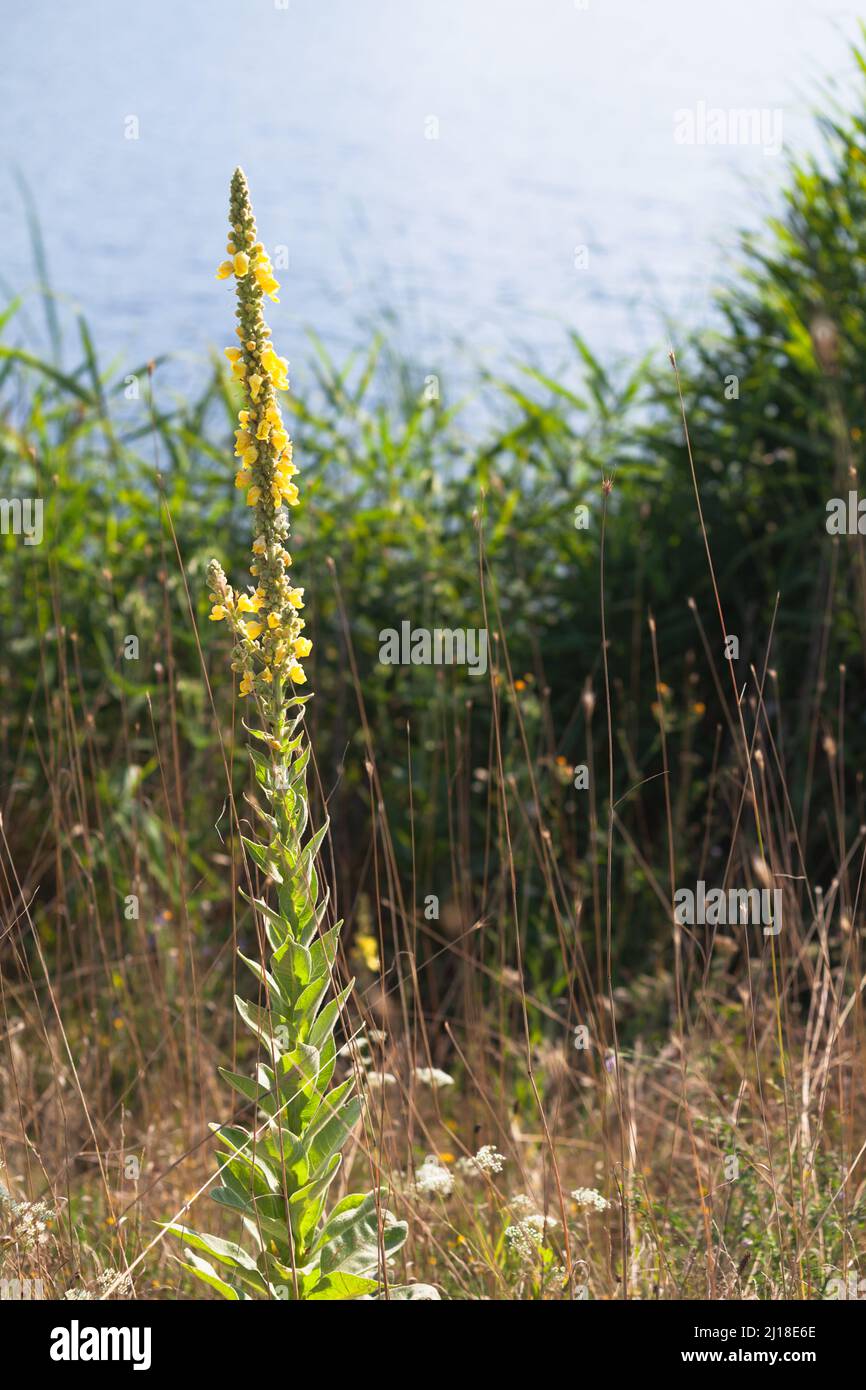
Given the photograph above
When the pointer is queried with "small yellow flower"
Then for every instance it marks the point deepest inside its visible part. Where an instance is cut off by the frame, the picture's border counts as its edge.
(249, 605)
(368, 949)
(252, 630)
(267, 675)
(276, 367)
(225, 270)
(297, 674)
(296, 598)
(232, 353)
(217, 613)
(253, 496)
(255, 384)
(246, 684)
(249, 456)
(241, 264)
(302, 646)
(274, 622)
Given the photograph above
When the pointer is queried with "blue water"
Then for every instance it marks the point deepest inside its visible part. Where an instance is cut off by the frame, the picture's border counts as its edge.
(555, 130)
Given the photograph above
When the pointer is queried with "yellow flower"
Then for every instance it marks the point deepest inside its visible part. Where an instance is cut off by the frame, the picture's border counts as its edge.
(368, 949)
(302, 646)
(252, 630)
(265, 276)
(273, 621)
(276, 368)
(296, 598)
(241, 264)
(246, 683)
(253, 496)
(225, 270)
(242, 478)
(263, 430)
(250, 455)
(217, 613)
(232, 354)
(249, 605)
(259, 545)
(296, 674)
(267, 675)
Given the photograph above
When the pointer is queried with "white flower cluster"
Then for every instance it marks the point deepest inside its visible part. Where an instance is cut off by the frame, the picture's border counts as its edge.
(588, 1197)
(28, 1221)
(433, 1077)
(487, 1160)
(433, 1178)
(120, 1286)
(525, 1237)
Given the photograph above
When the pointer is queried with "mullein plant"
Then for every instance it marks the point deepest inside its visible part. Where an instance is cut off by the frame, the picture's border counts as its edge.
(276, 1176)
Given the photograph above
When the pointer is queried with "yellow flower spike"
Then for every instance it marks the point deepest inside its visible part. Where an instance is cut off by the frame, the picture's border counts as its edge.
(264, 471)
(225, 270)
